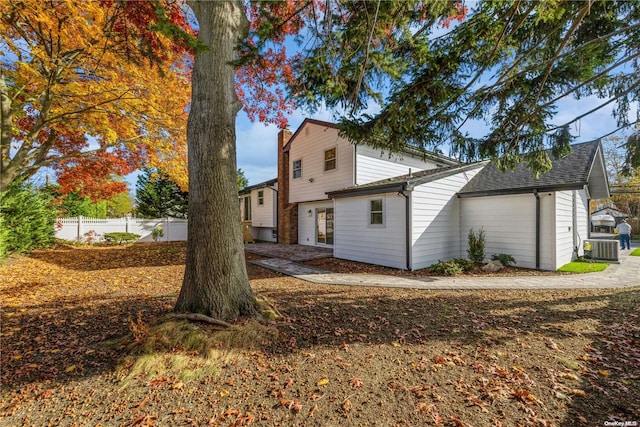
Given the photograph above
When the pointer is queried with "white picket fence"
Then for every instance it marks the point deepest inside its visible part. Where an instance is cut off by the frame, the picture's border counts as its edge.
(77, 228)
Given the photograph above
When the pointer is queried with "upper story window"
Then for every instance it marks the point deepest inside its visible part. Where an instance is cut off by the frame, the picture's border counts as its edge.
(376, 212)
(330, 159)
(297, 168)
(260, 197)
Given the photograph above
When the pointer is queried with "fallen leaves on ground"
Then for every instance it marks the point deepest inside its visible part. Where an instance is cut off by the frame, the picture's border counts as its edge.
(342, 356)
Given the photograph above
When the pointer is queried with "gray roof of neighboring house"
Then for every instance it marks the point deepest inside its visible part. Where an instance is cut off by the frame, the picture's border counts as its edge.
(583, 166)
(269, 183)
(611, 211)
(403, 182)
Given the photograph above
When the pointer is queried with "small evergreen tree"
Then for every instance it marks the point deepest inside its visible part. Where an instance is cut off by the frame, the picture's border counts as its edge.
(74, 205)
(26, 219)
(158, 197)
(476, 245)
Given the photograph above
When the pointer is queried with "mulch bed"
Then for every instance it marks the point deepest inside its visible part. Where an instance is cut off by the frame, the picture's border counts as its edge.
(353, 356)
(343, 266)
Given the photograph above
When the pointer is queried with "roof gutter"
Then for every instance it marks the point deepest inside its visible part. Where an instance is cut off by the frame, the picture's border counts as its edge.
(538, 228)
(407, 221)
(524, 190)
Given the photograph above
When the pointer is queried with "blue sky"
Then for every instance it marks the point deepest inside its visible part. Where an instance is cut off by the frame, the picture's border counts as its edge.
(257, 144)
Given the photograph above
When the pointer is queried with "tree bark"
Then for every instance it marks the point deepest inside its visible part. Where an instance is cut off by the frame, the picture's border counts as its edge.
(215, 281)
(7, 174)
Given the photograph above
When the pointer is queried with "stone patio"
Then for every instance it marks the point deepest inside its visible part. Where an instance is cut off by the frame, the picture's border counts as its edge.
(290, 252)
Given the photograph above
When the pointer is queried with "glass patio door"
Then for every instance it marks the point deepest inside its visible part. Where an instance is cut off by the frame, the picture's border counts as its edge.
(324, 226)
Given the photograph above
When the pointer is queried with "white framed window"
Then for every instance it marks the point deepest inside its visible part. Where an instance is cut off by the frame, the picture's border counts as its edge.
(297, 168)
(376, 212)
(260, 197)
(330, 162)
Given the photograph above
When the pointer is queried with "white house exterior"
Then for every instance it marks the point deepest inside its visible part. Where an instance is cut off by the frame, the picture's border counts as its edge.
(407, 212)
(316, 160)
(258, 206)
(543, 221)
(509, 223)
(407, 222)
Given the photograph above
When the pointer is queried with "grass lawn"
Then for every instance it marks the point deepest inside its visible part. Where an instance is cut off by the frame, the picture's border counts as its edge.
(584, 267)
(88, 338)
(636, 252)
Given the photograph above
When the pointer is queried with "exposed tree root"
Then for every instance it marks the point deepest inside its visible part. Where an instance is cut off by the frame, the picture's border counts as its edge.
(197, 317)
(267, 309)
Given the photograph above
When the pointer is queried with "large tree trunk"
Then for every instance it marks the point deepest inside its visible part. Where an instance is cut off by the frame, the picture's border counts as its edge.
(215, 281)
(8, 172)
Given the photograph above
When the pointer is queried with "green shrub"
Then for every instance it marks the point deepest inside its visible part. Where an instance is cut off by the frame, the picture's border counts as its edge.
(121, 237)
(505, 259)
(446, 268)
(465, 264)
(157, 233)
(26, 219)
(476, 245)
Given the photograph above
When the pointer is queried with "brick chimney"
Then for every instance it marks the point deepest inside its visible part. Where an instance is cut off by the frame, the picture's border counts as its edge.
(287, 212)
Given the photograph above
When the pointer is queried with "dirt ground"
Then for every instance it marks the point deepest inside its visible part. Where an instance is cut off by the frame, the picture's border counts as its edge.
(338, 356)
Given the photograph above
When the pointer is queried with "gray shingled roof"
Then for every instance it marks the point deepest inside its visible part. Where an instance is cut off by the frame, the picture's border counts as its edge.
(404, 182)
(582, 166)
(269, 183)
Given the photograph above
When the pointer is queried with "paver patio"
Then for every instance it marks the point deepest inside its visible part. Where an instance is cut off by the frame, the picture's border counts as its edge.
(624, 274)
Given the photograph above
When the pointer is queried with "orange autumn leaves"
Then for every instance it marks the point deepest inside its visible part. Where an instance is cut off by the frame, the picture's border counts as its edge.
(84, 96)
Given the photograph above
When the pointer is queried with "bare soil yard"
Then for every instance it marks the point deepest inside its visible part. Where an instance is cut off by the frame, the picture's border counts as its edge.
(78, 325)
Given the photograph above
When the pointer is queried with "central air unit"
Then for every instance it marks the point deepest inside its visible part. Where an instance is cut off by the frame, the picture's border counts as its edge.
(602, 250)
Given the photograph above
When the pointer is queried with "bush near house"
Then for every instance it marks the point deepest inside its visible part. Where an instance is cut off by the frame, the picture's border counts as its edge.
(453, 267)
(506, 259)
(476, 245)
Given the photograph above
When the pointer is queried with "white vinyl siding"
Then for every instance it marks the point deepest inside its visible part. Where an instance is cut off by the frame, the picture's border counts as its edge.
(310, 146)
(547, 231)
(265, 234)
(582, 219)
(264, 215)
(307, 221)
(565, 225)
(509, 223)
(373, 165)
(356, 240)
(435, 213)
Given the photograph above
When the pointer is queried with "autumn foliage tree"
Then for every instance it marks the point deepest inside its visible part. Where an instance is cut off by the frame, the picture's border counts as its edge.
(91, 90)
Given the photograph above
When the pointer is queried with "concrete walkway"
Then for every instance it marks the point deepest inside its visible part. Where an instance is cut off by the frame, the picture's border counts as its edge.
(625, 274)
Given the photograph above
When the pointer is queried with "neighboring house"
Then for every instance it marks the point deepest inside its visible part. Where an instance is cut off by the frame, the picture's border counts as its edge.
(409, 212)
(258, 207)
(606, 219)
